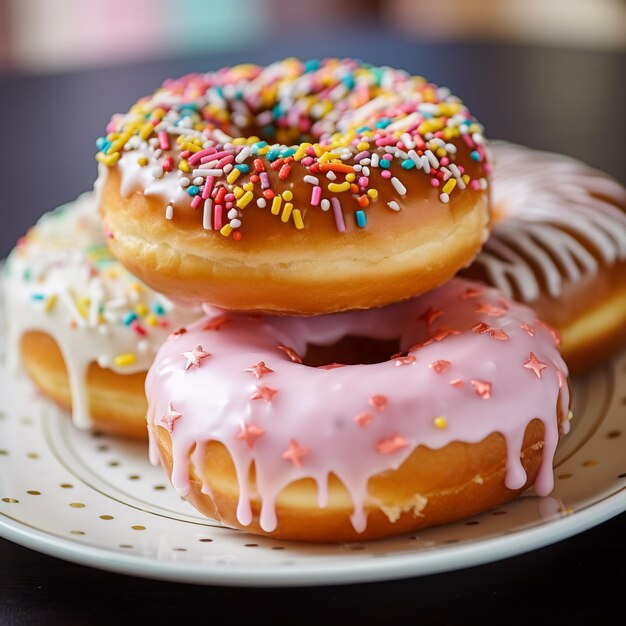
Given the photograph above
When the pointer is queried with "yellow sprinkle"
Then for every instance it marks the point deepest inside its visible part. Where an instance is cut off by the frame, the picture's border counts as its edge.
(350, 177)
(327, 156)
(183, 166)
(239, 141)
(286, 212)
(253, 139)
(362, 145)
(50, 302)
(440, 422)
(152, 320)
(141, 309)
(237, 192)
(465, 178)
(297, 219)
(112, 273)
(233, 176)
(119, 143)
(192, 147)
(263, 151)
(226, 230)
(300, 152)
(372, 193)
(107, 159)
(276, 202)
(339, 187)
(136, 287)
(143, 161)
(249, 186)
(449, 186)
(159, 113)
(441, 152)
(146, 130)
(128, 358)
(245, 199)
(287, 195)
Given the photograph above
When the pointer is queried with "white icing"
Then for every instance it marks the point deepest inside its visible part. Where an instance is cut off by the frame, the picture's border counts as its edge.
(61, 280)
(556, 212)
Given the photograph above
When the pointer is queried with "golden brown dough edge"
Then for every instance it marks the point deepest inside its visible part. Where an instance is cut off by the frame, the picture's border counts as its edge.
(431, 487)
(117, 402)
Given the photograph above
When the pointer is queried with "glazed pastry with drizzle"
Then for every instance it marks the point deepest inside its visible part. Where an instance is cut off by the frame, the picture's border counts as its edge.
(559, 245)
(297, 188)
(83, 328)
(360, 425)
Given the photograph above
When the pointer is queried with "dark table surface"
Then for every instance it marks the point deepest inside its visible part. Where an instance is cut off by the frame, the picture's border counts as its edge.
(571, 101)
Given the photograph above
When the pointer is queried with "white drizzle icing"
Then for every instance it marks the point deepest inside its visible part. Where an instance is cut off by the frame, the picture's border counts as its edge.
(557, 212)
(62, 281)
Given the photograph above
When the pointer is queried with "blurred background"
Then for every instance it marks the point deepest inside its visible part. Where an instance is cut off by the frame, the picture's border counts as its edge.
(547, 73)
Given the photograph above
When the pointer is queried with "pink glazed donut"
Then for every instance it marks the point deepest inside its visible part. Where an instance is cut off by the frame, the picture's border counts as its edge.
(360, 425)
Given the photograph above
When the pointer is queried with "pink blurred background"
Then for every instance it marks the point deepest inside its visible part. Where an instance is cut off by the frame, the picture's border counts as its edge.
(42, 36)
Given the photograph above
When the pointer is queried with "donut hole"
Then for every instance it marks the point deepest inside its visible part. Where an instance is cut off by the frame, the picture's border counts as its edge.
(351, 350)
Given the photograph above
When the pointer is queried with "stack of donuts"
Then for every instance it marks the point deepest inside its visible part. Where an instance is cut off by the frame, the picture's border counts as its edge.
(357, 316)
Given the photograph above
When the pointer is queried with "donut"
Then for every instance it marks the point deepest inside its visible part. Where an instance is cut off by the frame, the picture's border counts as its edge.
(81, 326)
(559, 245)
(350, 185)
(364, 424)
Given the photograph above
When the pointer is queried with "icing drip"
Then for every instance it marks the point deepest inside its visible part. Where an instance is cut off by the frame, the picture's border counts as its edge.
(463, 374)
(559, 217)
(61, 280)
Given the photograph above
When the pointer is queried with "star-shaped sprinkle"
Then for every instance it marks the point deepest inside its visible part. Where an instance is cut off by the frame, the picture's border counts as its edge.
(490, 309)
(194, 357)
(555, 334)
(363, 419)
(470, 293)
(496, 333)
(170, 417)
(178, 332)
(216, 323)
(249, 433)
(378, 402)
(405, 360)
(330, 366)
(259, 370)
(295, 453)
(441, 333)
(561, 377)
(263, 392)
(483, 388)
(457, 382)
(292, 354)
(440, 366)
(391, 445)
(528, 329)
(535, 365)
(430, 315)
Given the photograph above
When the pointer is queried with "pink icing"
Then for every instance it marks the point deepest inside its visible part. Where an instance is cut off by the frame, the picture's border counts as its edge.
(467, 357)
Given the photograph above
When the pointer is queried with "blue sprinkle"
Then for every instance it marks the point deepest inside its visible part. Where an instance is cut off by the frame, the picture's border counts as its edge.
(287, 153)
(193, 190)
(37, 296)
(383, 123)
(311, 65)
(362, 129)
(158, 309)
(269, 131)
(408, 164)
(242, 167)
(475, 155)
(272, 155)
(348, 81)
(258, 145)
(188, 106)
(361, 219)
(384, 163)
(129, 318)
(101, 143)
(277, 111)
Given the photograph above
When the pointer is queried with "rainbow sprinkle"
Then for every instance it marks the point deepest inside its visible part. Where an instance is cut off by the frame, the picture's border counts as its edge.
(348, 129)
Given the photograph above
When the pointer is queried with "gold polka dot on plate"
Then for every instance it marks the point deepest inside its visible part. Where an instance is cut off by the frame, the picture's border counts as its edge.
(77, 505)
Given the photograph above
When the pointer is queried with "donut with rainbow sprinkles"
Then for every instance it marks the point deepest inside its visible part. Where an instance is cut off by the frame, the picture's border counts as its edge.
(296, 188)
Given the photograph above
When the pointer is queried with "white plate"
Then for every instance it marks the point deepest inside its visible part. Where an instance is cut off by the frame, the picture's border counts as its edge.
(97, 501)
